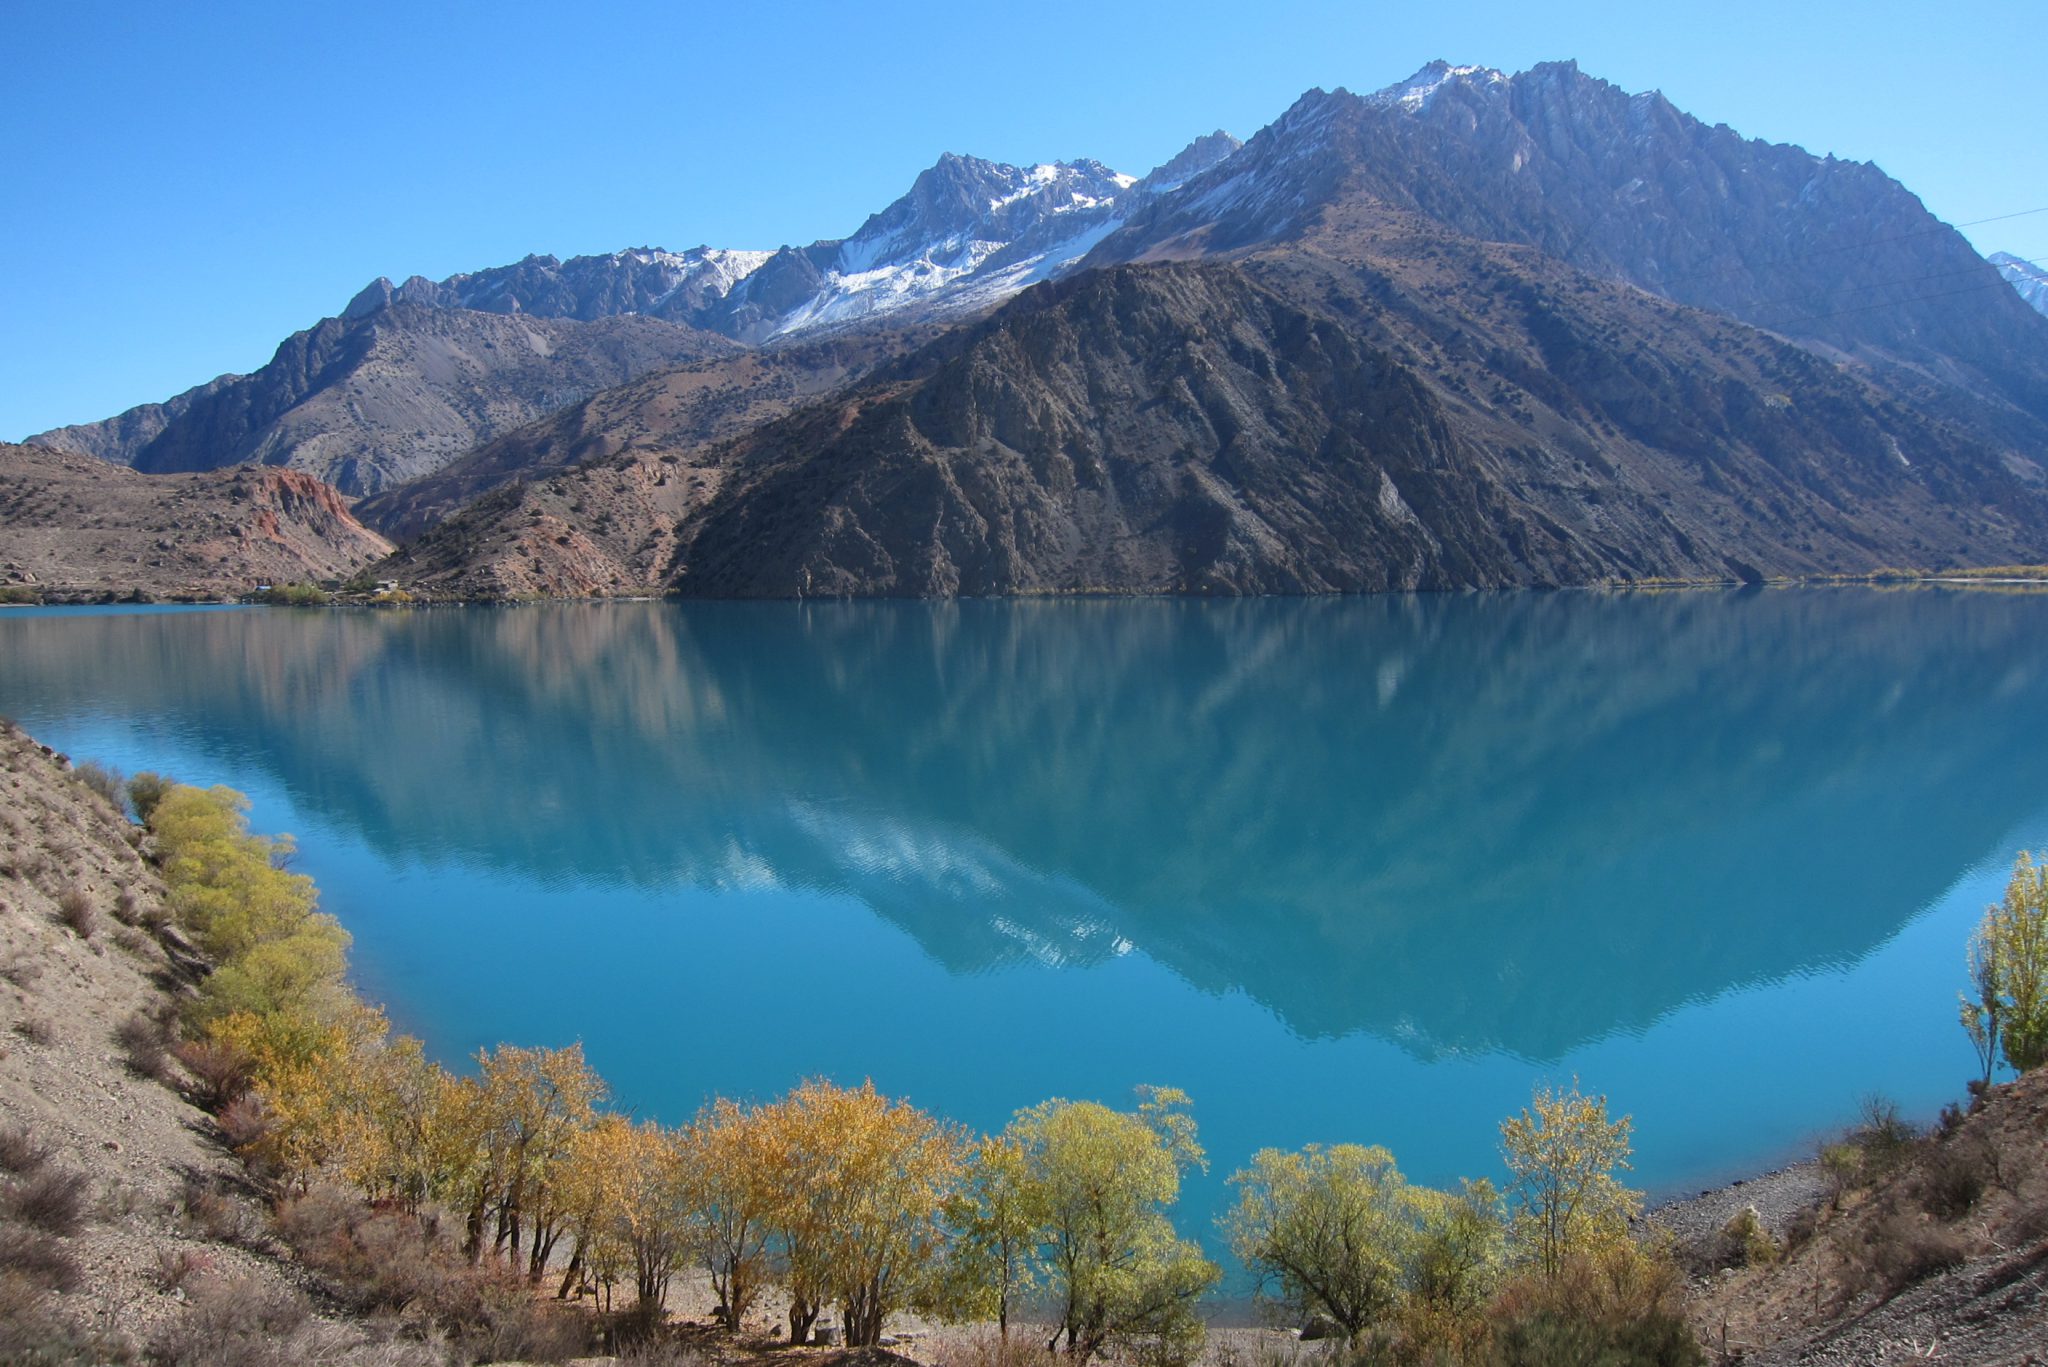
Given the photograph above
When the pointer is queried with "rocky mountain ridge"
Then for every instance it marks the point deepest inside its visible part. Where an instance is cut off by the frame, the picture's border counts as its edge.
(368, 401)
(1626, 186)
(1223, 428)
(1610, 340)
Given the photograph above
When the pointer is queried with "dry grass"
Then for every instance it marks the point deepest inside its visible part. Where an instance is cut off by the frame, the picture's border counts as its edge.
(36, 1030)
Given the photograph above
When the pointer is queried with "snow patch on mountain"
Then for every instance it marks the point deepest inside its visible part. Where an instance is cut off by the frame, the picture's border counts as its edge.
(2027, 277)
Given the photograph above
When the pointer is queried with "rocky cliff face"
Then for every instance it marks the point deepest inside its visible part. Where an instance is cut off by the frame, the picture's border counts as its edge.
(388, 394)
(74, 526)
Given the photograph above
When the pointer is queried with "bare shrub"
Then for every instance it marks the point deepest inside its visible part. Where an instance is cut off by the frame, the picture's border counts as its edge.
(134, 943)
(987, 1349)
(20, 970)
(1954, 1177)
(210, 1212)
(175, 1267)
(52, 1200)
(36, 1030)
(145, 790)
(21, 1152)
(243, 1122)
(36, 1258)
(220, 1072)
(145, 1040)
(1894, 1251)
(104, 780)
(1885, 1139)
(2028, 1225)
(75, 909)
(1801, 1228)
(378, 1260)
(127, 907)
(35, 1333)
(235, 1322)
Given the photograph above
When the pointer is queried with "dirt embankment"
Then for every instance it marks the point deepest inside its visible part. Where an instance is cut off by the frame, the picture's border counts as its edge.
(75, 527)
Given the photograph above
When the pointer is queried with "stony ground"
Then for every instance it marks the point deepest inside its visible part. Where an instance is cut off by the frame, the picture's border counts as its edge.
(1944, 1259)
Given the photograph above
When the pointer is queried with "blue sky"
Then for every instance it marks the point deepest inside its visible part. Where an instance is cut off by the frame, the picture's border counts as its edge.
(189, 183)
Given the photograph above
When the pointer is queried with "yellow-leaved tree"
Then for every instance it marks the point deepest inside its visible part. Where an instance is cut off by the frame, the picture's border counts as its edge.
(863, 1182)
(535, 1102)
(1327, 1231)
(1562, 1152)
(729, 1170)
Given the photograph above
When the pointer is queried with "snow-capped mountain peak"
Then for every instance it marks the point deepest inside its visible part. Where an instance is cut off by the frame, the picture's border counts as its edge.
(1421, 89)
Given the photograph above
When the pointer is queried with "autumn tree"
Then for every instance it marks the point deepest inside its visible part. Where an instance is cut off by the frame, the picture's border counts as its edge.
(393, 1150)
(620, 1192)
(729, 1173)
(863, 1181)
(1562, 1152)
(2006, 1011)
(535, 1101)
(994, 1233)
(1100, 1183)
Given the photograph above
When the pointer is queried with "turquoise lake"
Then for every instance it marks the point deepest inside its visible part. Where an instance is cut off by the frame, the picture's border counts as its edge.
(1359, 869)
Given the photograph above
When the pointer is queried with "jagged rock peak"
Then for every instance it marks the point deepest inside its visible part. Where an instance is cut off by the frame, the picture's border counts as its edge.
(1209, 150)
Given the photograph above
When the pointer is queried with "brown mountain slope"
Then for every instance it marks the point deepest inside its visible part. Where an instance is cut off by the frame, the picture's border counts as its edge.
(1487, 418)
(73, 525)
(380, 397)
(659, 415)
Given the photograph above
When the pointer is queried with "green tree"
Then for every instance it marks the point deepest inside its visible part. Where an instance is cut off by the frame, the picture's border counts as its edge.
(1454, 1262)
(2006, 1010)
(994, 1229)
(1562, 1152)
(1100, 1183)
(1326, 1231)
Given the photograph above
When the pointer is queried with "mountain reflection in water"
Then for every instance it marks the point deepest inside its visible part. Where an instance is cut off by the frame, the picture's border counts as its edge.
(1514, 822)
